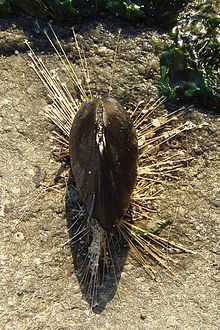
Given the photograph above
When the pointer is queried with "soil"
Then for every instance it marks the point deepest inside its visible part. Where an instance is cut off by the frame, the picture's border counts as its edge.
(39, 288)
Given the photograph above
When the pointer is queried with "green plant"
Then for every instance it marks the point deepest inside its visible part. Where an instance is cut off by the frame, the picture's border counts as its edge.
(189, 68)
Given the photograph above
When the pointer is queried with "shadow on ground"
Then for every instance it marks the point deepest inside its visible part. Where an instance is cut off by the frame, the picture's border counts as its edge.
(98, 289)
(33, 30)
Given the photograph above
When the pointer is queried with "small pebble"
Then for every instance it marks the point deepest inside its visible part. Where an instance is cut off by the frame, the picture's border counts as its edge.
(147, 46)
(103, 51)
(19, 236)
(216, 200)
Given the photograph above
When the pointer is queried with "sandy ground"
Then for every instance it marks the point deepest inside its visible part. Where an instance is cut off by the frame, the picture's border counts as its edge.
(39, 289)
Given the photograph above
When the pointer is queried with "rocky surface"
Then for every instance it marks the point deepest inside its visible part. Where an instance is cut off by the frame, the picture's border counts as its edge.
(39, 289)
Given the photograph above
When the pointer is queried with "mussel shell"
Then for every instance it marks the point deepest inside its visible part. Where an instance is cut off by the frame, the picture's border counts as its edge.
(104, 170)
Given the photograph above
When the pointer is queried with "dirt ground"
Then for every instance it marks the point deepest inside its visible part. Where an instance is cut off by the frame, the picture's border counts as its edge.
(39, 289)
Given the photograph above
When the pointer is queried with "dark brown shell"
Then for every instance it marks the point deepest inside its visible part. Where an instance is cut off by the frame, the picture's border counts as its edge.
(103, 153)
